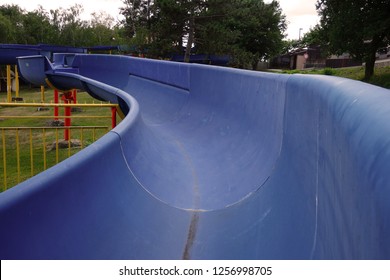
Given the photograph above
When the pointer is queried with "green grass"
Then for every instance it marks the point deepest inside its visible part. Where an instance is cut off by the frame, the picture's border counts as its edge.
(381, 76)
(42, 144)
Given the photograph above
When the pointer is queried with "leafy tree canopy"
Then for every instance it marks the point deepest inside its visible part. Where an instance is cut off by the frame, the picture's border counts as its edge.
(247, 30)
(359, 27)
(59, 26)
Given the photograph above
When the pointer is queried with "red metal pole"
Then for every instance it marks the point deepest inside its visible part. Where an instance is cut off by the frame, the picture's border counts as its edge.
(75, 96)
(113, 117)
(67, 121)
(56, 102)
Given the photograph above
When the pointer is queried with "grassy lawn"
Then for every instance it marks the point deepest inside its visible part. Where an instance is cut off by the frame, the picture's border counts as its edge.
(381, 77)
(43, 151)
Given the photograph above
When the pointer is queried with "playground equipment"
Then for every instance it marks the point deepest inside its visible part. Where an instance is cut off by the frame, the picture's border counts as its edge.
(10, 52)
(210, 163)
(16, 140)
(11, 80)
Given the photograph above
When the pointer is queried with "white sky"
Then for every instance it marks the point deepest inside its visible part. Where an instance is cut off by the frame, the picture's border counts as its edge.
(300, 13)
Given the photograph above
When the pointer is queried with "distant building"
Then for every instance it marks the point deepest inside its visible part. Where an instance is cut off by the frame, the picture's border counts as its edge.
(312, 57)
(383, 53)
(343, 60)
(300, 58)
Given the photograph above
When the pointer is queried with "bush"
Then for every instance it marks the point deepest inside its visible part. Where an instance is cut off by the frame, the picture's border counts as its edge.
(329, 71)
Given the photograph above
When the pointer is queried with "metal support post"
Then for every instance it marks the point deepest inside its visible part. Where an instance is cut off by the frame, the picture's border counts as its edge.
(16, 82)
(9, 86)
(56, 102)
(42, 94)
(113, 116)
(67, 120)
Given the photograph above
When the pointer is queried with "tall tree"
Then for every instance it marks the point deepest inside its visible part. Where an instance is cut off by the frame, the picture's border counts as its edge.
(194, 10)
(60, 27)
(168, 27)
(215, 30)
(102, 29)
(247, 30)
(69, 26)
(262, 29)
(6, 29)
(37, 27)
(359, 27)
(314, 37)
(137, 14)
(13, 14)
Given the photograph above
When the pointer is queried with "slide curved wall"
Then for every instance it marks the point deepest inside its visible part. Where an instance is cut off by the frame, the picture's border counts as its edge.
(212, 163)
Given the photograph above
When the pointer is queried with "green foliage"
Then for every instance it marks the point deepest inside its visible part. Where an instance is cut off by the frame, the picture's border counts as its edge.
(291, 44)
(359, 27)
(60, 26)
(328, 71)
(101, 29)
(36, 27)
(247, 30)
(11, 20)
(380, 78)
(314, 37)
(6, 29)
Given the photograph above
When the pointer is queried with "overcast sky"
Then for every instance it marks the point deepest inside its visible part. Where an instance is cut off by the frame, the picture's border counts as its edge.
(300, 13)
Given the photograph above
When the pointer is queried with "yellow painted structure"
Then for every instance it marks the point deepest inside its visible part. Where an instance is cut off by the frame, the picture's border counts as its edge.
(40, 144)
(16, 81)
(9, 86)
(18, 141)
(42, 94)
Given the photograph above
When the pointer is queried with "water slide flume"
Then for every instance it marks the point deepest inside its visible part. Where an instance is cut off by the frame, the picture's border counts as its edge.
(210, 163)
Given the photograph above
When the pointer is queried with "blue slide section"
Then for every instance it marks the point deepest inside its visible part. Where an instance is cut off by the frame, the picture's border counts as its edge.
(10, 52)
(210, 163)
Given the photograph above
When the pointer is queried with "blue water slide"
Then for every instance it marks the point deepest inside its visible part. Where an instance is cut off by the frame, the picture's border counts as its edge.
(210, 163)
(10, 52)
